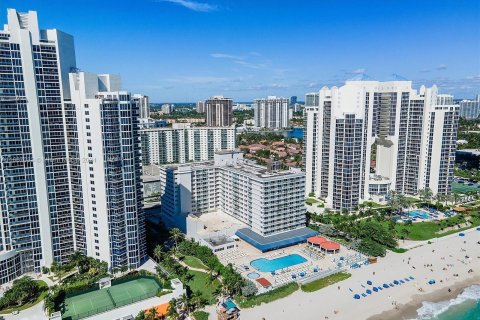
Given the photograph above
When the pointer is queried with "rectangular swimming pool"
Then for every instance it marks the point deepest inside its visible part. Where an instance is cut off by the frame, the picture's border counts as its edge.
(267, 265)
(418, 214)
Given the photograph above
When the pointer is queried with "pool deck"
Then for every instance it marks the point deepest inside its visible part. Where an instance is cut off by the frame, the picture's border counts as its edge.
(245, 253)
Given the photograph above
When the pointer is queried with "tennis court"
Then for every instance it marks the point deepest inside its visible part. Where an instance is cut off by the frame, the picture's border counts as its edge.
(119, 295)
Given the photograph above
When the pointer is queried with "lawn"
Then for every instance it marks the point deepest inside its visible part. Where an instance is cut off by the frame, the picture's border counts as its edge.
(43, 292)
(311, 201)
(275, 294)
(201, 315)
(194, 262)
(325, 282)
(429, 229)
(199, 283)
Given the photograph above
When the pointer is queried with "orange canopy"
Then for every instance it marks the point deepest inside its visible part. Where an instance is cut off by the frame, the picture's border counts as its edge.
(316, 240)
(330, 245)
(161, 310)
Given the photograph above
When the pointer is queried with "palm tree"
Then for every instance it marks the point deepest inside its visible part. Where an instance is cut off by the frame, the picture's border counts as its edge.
(158, 253)
(184, 303)
(172, 312)
(425, 194)
(196, 300)
(176, 235)
(152, 313)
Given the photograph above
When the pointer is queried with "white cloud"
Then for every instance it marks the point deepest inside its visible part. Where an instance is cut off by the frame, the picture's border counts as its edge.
(359, 71)
(193, 5)
(441, 67)
(225, 56)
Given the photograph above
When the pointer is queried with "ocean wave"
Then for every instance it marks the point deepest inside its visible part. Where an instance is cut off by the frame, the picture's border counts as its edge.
(431, 310)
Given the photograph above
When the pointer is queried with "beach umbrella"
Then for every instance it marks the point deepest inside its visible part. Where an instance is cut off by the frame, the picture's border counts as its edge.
(380, 288)
(401, 281)
(412, 278)
(369, 291)
(396, 282)
(461, 234)
(385, 285)
(406, 279)
(357, 296)
(369, 282)
(375, 289)
(478, 229)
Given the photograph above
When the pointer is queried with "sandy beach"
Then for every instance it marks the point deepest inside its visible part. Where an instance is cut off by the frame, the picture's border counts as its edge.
(447, 260)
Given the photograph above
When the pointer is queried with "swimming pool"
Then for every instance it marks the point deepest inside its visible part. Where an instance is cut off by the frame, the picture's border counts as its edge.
(253, 275)
(267, 265)
(418, 214)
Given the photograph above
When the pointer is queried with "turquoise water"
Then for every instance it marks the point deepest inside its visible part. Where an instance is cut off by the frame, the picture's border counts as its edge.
(296, 133)
(466, 306)
(267, 265)
(418, 214)
(253, 275)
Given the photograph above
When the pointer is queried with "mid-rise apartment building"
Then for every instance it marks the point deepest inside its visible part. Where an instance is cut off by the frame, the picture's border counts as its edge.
(183, 143)
(368, 137)
(272, 112)
(200, 106)
(268, 202)
(219, 111)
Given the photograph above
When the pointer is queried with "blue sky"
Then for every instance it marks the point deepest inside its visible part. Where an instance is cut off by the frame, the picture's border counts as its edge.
(182, 50)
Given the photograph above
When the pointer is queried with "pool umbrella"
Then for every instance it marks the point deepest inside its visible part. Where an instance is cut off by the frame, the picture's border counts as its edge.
(369, 282)
(357, 296)
(461, 234)
(375, 289)
(369, 291)
(396, 282)
(385, 285)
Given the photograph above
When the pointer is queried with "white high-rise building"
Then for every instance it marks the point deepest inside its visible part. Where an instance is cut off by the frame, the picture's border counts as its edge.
(272, 112)
(36, 225)
(42, 176)
(109, 143)
(200, 106)
(143, 103)
(368, 137)
(182, 143)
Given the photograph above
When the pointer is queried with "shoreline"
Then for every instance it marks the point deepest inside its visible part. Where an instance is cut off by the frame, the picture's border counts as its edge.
(409, 310)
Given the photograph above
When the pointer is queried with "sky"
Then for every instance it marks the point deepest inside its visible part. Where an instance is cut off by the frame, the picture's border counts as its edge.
(185, 50)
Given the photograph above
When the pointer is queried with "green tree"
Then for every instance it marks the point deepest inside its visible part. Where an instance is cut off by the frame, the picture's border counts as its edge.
(176, 235)
(425, 195)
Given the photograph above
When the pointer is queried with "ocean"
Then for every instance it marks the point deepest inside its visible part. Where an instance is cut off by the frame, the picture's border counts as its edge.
(466, 306)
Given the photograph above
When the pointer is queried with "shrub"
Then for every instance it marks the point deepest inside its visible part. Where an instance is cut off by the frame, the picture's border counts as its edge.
(249, 289)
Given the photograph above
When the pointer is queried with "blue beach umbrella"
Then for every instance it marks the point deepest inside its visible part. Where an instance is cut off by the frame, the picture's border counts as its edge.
(369, 282)
(478, 229)
(369, 291)
(461, 234)
(375, 289)
(357, 296)
(396, 282)
(385, 285)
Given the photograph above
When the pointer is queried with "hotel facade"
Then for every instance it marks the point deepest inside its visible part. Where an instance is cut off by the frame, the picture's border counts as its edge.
(368, 137)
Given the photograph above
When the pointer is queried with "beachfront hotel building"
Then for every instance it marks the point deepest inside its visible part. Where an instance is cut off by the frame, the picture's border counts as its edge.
(408, 136)
(271, 112)
(219, 111)
(183, 143)
(39, 165)
(271, 204)
(109, 223)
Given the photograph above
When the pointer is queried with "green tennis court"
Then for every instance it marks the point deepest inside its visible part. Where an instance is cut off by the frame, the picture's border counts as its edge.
(90, 303)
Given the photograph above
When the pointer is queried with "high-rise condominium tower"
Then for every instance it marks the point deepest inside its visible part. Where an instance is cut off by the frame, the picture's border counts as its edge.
(272, 112)
(368, 137)
(37, 225)
(109, 146)
(143, 103)
(41, 170)
(219, 111)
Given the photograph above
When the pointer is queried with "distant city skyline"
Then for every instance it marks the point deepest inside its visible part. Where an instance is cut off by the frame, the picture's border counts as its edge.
(181, 50)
